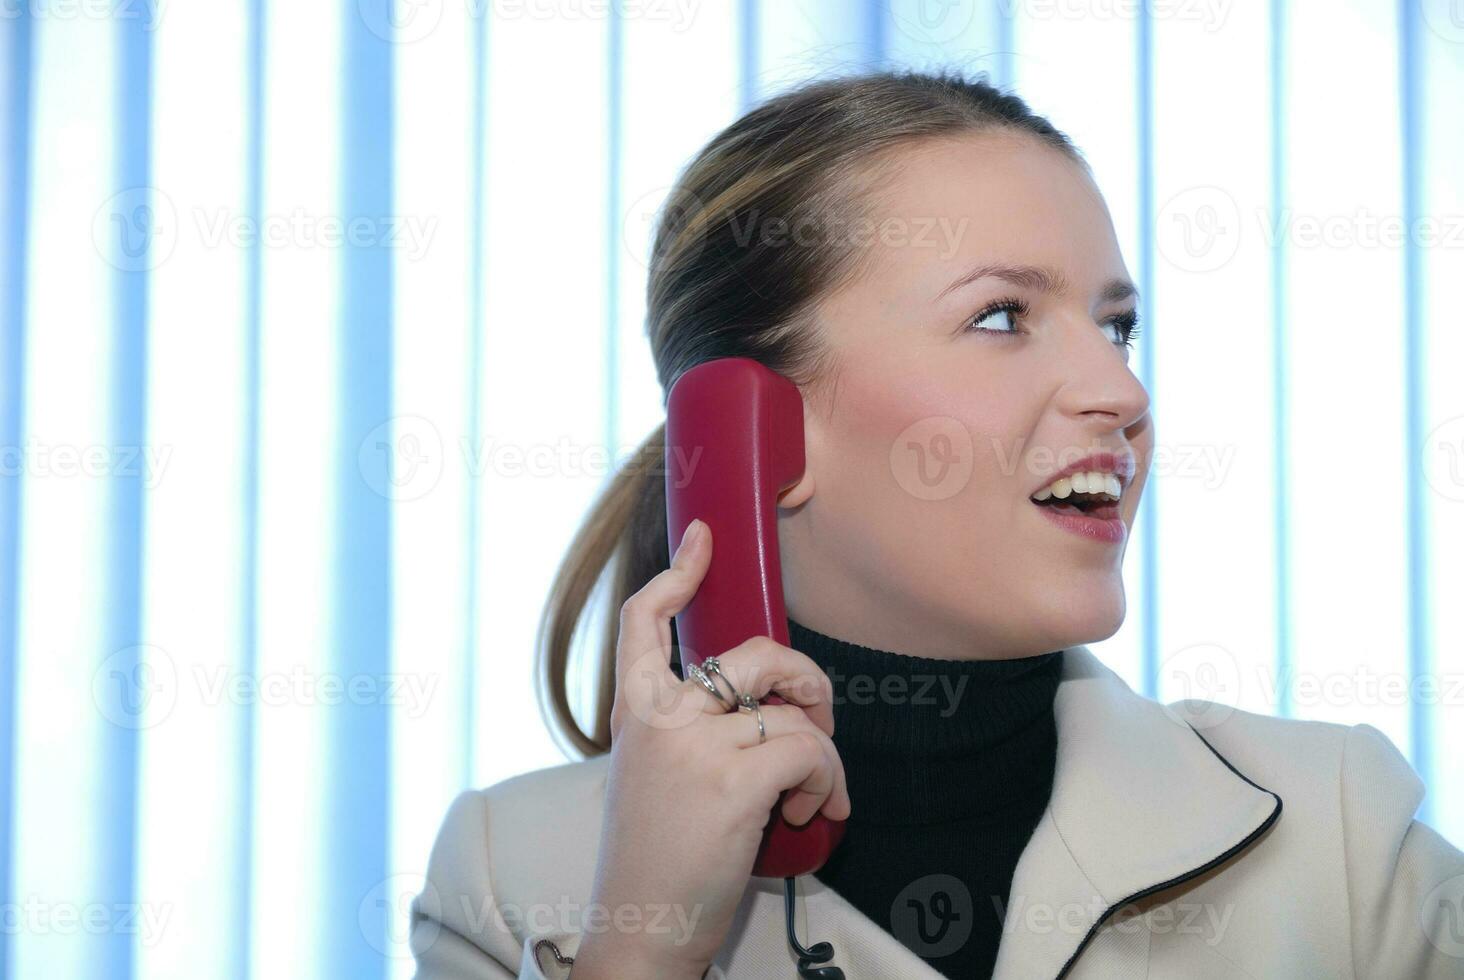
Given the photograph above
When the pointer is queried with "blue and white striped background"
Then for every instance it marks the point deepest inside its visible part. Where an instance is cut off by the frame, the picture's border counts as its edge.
(278, 511)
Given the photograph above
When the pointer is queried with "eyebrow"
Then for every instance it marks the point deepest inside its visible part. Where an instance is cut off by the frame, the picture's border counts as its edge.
(1039, 278)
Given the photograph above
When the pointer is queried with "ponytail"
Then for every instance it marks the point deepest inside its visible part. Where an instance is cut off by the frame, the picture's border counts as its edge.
(624, 533)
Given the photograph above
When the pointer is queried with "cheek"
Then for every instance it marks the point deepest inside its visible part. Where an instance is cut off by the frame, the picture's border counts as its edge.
(923, 480)
(931, 458)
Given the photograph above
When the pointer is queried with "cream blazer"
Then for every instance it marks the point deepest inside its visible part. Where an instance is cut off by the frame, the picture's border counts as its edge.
(1191, 841)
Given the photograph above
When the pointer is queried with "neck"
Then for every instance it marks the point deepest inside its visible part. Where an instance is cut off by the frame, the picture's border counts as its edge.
(926, 740)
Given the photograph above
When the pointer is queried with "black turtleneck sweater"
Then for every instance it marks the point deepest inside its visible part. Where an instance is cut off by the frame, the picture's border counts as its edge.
(950, 766)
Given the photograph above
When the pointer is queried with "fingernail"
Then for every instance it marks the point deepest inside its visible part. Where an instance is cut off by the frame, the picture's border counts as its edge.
(690, 534)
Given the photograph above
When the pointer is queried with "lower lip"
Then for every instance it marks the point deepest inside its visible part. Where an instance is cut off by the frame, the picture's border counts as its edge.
(1109, 530)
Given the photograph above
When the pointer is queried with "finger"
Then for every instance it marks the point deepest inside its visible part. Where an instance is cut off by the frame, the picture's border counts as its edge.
(710, 703)
(645, 618)
(740, 728)
(761, 666)
(799, 764)
(787, 719)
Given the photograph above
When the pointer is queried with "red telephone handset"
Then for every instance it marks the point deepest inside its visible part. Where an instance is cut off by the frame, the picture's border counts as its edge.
(734, 441)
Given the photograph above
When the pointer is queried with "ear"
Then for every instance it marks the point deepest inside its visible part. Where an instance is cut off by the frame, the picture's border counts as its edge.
(801, 491)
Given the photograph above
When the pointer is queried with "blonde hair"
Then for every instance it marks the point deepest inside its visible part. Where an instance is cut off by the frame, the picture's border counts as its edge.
(718, 288)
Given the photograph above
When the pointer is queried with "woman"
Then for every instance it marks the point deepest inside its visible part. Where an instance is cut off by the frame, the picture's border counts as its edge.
(933, 266)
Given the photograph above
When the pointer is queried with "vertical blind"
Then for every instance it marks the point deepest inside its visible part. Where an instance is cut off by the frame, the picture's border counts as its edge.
(322, 324)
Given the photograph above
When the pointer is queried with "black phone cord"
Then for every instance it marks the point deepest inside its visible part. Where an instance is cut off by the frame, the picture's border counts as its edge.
(808, 959)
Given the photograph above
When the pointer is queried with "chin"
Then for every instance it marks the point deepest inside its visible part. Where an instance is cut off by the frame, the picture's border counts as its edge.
(1085, 615)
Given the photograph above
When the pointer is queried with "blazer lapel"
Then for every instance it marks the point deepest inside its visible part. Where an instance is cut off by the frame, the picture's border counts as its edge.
(1140, 802)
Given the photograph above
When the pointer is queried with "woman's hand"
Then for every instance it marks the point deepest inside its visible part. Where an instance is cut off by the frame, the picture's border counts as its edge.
(690, 788)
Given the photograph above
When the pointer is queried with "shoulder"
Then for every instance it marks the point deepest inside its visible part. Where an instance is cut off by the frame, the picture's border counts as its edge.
(1319, 762)
(546, 799)
(1350, 800)
(517, 858)
(537, 833)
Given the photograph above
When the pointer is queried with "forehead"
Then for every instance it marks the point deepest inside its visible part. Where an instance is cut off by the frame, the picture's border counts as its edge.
(990, 197)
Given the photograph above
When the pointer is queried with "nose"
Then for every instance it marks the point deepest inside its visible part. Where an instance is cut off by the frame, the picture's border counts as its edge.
(1095, 383)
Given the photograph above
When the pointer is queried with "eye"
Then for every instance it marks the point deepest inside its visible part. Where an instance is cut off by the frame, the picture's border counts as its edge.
(1126, 326)
(1003, 315)
(1001, 318)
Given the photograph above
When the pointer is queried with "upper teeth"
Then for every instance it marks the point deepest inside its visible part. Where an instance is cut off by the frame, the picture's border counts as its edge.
(1089, 482)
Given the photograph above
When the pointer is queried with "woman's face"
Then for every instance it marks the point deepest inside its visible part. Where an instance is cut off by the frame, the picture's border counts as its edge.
(914, 529)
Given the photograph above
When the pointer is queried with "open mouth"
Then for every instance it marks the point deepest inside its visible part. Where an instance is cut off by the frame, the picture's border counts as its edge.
(1099, 505)
(1086, 501)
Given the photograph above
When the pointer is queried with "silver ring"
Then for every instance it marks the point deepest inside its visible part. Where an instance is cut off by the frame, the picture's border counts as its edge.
(713, 668)
(762, 733)
(697, 672)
